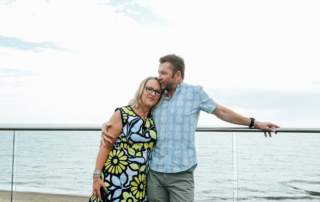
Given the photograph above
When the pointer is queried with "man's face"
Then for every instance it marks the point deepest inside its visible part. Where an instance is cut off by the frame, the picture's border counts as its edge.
(165, 76)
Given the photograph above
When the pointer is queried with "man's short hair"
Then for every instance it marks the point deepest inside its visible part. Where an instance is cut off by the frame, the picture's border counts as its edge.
(177, 63)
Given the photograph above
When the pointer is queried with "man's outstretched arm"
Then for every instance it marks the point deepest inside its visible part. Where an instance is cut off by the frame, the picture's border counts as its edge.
(230, 116)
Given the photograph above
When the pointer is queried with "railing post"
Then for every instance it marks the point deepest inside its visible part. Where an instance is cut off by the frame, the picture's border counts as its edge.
(235, 166)
(13, 159)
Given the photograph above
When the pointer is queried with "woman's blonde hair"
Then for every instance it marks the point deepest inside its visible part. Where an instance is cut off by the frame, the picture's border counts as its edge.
(136, 100)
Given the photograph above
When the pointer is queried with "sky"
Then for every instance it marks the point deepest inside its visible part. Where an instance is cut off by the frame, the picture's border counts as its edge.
(68, 61)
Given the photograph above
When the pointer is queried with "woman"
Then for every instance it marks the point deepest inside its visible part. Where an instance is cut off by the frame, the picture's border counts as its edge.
(121, 167)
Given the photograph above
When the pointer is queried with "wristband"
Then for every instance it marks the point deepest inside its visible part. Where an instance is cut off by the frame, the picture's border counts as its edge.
(251, 123)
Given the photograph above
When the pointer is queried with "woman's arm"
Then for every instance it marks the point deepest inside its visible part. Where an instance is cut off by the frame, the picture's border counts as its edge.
(103, 153)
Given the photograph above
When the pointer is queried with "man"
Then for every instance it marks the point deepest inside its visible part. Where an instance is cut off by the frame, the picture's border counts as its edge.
(174, 158)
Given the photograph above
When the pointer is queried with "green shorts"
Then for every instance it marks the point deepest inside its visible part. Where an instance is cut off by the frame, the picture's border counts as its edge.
(170, 187)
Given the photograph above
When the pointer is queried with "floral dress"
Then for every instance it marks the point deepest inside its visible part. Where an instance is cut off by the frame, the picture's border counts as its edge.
(125, 171)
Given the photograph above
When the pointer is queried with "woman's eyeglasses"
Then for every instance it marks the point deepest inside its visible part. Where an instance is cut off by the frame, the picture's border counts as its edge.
(150, 91)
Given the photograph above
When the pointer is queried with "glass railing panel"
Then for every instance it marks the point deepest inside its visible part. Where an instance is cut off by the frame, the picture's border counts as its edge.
(214, 173)
(6, 151)
(55, 165)
(285, 167)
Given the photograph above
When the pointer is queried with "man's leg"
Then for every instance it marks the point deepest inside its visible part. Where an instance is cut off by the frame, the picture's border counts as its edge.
(155, 187)
(181, 186)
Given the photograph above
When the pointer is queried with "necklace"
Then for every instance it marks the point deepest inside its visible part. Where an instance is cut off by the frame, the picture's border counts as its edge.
(139, 112)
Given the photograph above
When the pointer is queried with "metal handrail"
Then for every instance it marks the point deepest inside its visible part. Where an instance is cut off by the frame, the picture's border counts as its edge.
(97, 127)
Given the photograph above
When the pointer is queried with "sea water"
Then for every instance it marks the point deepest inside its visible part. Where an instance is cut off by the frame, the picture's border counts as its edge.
(285, 167)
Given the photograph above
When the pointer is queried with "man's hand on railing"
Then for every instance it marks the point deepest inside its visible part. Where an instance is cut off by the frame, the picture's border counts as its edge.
(105, 136)
(266, 126)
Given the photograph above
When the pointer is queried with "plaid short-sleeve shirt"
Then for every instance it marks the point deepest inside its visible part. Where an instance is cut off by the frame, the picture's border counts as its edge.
(176, 120)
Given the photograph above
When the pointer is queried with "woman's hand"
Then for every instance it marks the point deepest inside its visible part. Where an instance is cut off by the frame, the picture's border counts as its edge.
(97, 183)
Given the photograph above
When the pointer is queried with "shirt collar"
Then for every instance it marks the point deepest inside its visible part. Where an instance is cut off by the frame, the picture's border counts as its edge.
(178, 89)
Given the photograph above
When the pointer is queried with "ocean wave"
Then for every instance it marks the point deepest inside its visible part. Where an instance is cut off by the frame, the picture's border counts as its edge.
(310, 187)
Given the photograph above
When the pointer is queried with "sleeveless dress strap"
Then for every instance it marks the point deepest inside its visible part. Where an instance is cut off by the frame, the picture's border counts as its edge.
(124, 113)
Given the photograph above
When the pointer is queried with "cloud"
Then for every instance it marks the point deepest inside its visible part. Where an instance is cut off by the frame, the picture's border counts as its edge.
(19, 44)
(315, 83)
(121, 42)
(14, 84)
(294, 108)
(267, 98)
(8, 2)
(16, 73)
(14, 78)
(140, 13)
(67, 23)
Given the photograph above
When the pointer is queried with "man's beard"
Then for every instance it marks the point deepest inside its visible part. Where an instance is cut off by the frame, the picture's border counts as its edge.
(169, 86)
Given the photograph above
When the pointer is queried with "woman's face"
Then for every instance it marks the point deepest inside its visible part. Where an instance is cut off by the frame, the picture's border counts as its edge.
(149, 97)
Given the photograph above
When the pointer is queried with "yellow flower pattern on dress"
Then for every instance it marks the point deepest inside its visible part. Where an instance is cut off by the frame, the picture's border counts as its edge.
(128, 197)
(123, 145)
(129, 111)
(116, 162)
(139, 186)
(126, 168)
(148, 145)
(137, 146)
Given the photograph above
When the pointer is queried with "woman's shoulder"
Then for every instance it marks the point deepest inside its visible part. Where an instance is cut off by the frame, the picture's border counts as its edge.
(126, 110)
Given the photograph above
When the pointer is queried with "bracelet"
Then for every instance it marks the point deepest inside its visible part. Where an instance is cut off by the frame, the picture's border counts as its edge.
(251, 123)
(96, 172)
(95, 176)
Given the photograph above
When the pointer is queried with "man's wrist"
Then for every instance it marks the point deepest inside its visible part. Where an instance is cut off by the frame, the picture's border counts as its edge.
(256, 124)
(251, 122)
